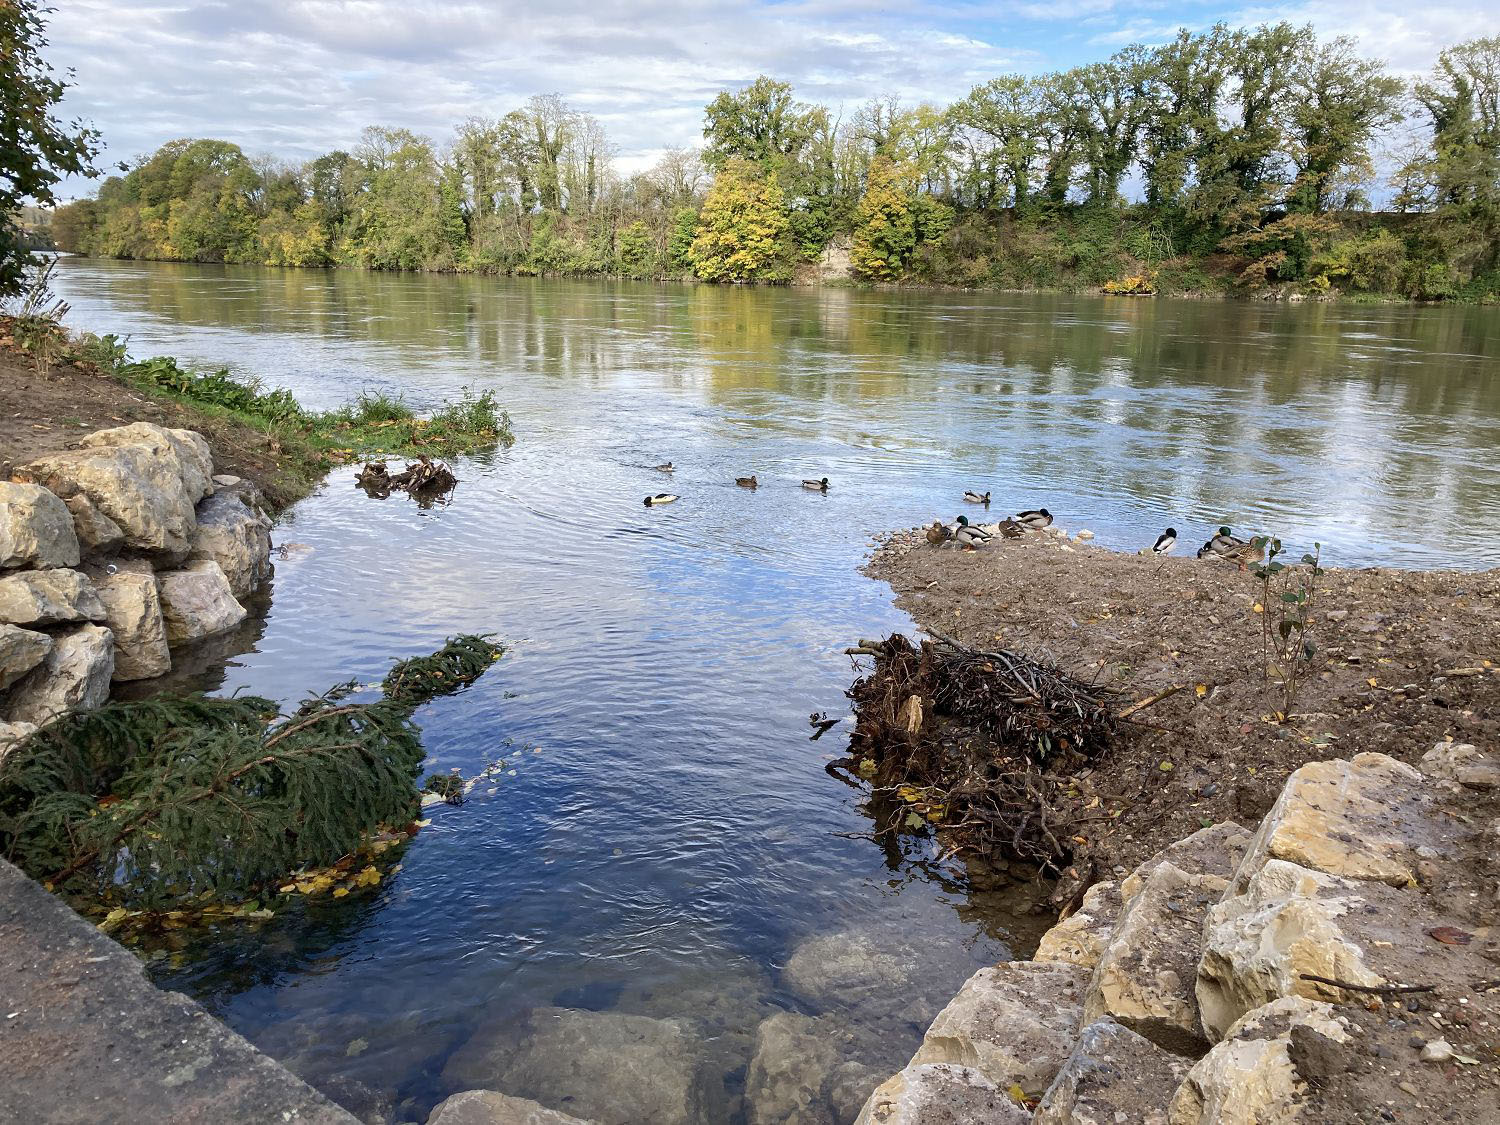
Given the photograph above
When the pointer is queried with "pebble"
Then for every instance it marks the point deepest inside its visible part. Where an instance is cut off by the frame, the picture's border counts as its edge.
(1408, 1087)
(1085, 534)
(1210, 789)
(1438, 1051)
(1417, 1042)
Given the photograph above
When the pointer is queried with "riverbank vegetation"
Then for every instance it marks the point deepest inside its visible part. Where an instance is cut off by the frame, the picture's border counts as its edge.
(1242, 158)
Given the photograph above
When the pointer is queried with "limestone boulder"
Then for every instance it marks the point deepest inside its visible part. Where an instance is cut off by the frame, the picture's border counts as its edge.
(21, 650)
(1216, 850)
(188, 452)
(132, 610)
(1464, 763)
(1112, 1076)
(802, 1074)
(486, 1107)
(74, 676)
(940, 1094)
(1362, 819)
(1292, 922)
(1080, 938)
(1145, 976)
(98, 536)
(197, 602)
(137, 487)
(879, 972)
(36, 529)
(1015, 1023)
(607, 1066)
(235, 536)
(35, 598)
(1249, 1078)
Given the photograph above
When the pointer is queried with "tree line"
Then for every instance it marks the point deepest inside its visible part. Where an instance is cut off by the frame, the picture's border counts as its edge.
(1234, 156)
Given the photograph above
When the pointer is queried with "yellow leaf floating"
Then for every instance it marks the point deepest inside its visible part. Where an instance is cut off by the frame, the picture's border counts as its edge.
(340, 892)
(369, 877)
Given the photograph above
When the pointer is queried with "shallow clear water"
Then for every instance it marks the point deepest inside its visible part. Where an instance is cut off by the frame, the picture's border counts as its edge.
(664, 836)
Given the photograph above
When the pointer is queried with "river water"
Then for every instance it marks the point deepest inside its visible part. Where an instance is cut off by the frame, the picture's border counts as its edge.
(663, 839)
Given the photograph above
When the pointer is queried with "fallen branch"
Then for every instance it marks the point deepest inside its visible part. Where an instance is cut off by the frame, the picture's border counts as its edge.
(1150, 701)
(1373, 989)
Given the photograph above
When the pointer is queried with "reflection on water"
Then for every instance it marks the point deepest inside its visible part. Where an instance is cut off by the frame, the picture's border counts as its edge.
(663, 842)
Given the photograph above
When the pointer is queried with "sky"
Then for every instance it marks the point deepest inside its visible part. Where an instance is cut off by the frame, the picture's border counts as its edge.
(296, 78)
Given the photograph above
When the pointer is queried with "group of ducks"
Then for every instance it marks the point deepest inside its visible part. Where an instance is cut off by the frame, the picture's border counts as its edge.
(820, 485)
(970, 536)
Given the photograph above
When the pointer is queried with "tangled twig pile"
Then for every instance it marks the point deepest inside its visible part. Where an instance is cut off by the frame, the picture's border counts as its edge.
(978, 743)
(422, 479)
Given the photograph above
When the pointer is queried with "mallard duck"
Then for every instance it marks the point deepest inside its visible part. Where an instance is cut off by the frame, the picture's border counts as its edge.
(665, 467)
(660, 498)
(747, 482)
(1226, 545)
(968, 536)
(977, 497)
(1165, 542)
(816, 485)
(938, 533)
(1034, 520)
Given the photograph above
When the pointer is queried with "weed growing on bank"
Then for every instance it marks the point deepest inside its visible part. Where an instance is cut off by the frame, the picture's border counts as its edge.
(375, 423)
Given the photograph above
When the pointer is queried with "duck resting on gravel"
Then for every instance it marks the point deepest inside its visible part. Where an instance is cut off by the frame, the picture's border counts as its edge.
(1034, 520)
(938, 533)
(968, 536)
(1164, 544)
(1226, 545)
(977, 497)
(660, 498)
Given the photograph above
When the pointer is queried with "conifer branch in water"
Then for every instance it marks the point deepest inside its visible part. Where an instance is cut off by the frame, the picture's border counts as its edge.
(153, 802)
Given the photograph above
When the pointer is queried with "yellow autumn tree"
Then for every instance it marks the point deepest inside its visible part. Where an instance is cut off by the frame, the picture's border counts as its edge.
(885, 227)
(742, 229)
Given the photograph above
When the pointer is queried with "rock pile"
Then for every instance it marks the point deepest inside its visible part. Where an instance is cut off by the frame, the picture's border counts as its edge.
(1182, 994)
(112, 554)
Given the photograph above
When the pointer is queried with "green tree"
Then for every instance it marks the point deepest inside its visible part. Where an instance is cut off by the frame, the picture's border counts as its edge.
(36, 148)
(684, 230)
(743, 229)
(1338, 102)
(761, 124)
(637, 251)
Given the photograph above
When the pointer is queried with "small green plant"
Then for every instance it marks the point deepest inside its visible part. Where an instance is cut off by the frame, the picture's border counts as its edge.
(37, 323)
(107, 352)
(1287, 594)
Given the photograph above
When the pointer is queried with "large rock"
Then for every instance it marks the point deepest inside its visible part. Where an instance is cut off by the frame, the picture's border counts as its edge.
(197, 602)
(48, 597)
(1289, 922)
(1112, 1076)
(940, 1094)
(236, 537)
(880, 973)
(1249, 1078)
(1146, 974)
(74, 676)
(138, 487)
(187, 451)
(132, 610)
(1216, 850)
(98, 535)
(603, 1065)
(21, 650)
(486, 1107)
(35, 528)
(1014, 1023)
(1360, 818)
(801, 1074)
(1080, 938)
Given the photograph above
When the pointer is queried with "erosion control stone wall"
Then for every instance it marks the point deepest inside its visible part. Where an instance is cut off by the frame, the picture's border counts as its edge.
(112, 554)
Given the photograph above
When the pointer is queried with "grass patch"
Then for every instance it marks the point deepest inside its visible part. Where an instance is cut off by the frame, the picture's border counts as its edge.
(373, 424)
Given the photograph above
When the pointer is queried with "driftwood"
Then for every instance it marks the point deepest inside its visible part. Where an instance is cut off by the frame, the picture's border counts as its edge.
(424, 480)
(978, 743)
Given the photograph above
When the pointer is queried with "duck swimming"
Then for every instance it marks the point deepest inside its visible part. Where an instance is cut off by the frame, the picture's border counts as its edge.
(977, 497)
(816, 485)
(660, 498)
(747, 482)
(665, 467)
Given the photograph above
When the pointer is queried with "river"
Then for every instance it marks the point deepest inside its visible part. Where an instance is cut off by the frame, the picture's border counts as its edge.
(663, 839)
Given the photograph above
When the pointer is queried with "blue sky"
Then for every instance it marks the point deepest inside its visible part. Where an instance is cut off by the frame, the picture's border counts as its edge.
(298, 77)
